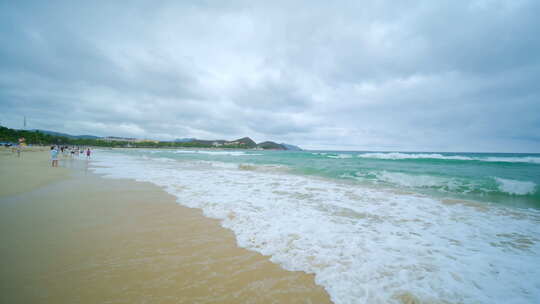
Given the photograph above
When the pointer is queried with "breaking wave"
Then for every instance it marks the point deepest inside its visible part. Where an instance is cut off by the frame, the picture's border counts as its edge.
(399, 155)
(515, 187)
(448, 184)
(364, 245)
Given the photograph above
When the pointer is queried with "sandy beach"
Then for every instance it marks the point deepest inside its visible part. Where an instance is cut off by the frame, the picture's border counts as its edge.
(70, 236)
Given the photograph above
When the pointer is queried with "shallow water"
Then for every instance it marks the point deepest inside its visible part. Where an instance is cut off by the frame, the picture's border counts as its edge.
(372, 227)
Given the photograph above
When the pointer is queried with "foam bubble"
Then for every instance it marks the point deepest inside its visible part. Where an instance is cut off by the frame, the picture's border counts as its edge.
(363, 245)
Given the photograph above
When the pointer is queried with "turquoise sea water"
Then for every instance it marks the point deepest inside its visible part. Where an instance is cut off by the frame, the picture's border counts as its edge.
(509, 179)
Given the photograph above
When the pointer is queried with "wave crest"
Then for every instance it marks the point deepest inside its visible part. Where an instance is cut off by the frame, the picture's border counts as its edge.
(400, 155)
(515, 187)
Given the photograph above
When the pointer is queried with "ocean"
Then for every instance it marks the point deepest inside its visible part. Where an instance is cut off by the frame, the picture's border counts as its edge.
(374, 227)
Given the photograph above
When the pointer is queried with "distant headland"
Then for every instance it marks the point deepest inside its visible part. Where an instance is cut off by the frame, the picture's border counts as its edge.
(46, 137)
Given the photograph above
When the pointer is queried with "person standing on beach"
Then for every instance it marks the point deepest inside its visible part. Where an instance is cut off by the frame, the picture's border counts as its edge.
(20, 146)
(88, 153)
(54, 156)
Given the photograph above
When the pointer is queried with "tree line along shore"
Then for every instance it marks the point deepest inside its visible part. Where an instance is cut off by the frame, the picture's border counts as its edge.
(36, 137)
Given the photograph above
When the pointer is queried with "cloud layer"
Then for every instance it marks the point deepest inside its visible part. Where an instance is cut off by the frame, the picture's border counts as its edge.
(422, 75)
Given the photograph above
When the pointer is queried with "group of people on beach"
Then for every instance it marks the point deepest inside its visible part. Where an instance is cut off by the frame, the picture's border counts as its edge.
(67, 152)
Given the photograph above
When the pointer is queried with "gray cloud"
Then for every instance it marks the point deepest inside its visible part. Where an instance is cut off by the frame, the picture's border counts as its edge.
(439, 76)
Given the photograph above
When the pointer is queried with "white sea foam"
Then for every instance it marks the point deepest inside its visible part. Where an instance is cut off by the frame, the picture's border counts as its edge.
(212, 164)
(515, 187)
(340, 156)
(409, 180)
(399, 155)
(440, 183)
(526, 159)
(363, 245)
(163, 159)
(264, 168)
(333, 155)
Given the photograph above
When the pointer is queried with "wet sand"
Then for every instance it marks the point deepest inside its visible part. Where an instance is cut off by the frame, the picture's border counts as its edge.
(69, 236)
(29, 171)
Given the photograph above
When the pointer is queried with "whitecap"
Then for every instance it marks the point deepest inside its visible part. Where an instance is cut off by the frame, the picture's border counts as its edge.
(340, 156)
(409, 180)
(525, 159)
(399, 155)
(515, 187)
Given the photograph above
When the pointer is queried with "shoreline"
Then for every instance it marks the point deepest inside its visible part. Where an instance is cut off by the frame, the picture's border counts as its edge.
(79, 237)
(398, 245)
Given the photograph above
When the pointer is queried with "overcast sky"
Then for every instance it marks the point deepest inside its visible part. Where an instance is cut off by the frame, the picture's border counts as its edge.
(341, 75)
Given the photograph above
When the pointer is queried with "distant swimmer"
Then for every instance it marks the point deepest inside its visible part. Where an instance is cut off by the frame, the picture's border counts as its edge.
(88, 152)
(54, 156)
